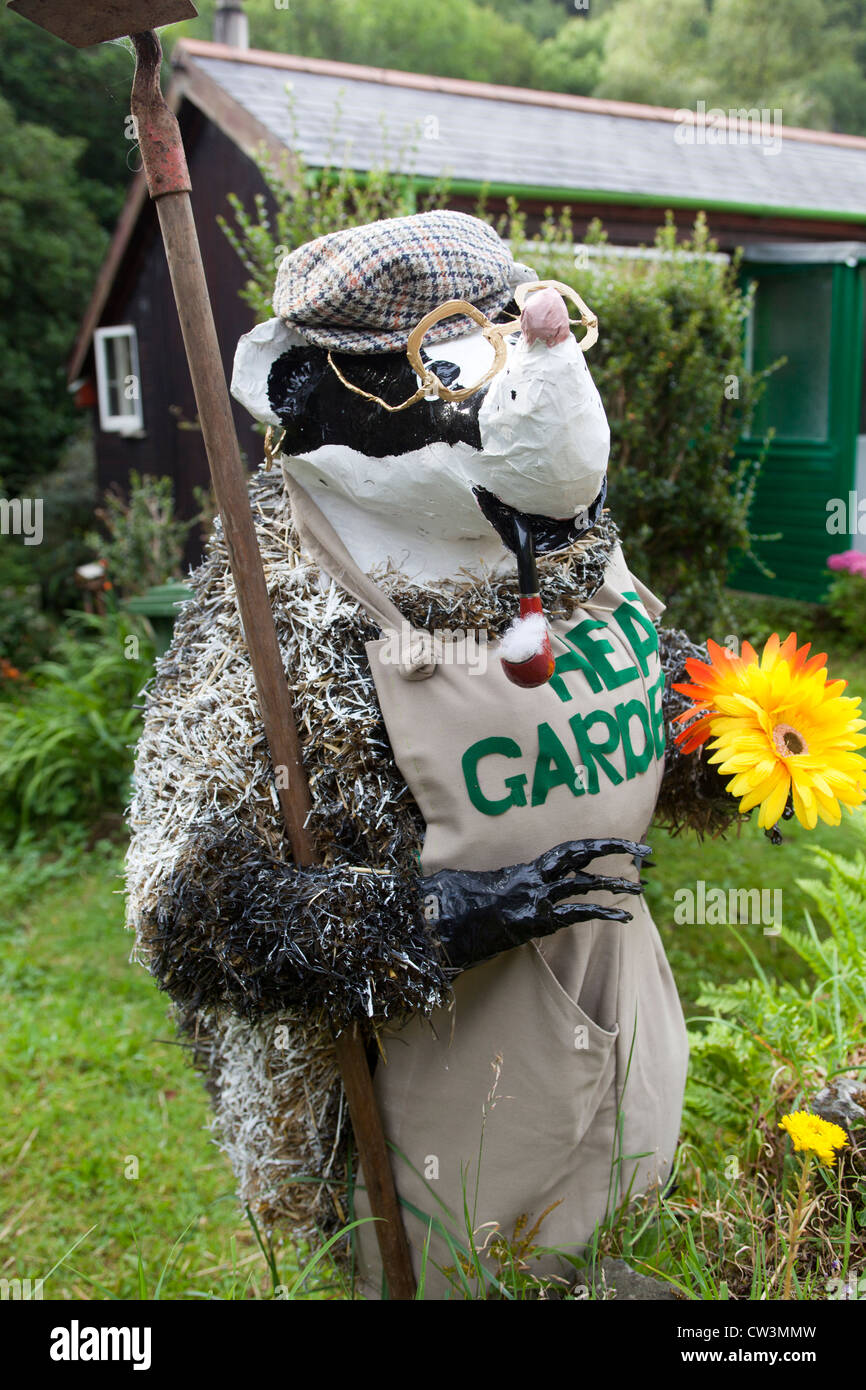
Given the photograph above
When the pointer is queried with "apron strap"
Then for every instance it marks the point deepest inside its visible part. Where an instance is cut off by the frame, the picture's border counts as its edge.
(617, 578)
(321, 541)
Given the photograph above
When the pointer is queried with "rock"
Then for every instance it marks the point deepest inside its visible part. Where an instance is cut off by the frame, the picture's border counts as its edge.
(843, 1102)
(628, 1284)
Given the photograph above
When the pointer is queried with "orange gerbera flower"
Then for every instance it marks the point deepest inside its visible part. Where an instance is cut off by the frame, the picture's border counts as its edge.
(779, 727)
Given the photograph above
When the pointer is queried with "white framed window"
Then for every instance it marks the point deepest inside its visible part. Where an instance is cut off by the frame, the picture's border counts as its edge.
(118, 382)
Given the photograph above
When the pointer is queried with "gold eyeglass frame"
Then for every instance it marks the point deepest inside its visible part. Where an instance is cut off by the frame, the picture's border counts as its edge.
(495, 333)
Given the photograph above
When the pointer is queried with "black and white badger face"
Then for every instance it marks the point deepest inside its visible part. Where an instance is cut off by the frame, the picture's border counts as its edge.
(315, 408)
(406, 485)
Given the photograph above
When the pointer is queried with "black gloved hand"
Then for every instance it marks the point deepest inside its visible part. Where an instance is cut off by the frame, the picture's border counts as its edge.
(478, 915)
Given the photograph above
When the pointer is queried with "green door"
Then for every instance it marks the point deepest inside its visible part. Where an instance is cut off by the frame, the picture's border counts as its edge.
(812, 316)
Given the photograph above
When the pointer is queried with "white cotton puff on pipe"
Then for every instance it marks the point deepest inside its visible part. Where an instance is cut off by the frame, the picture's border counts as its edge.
(524, 638)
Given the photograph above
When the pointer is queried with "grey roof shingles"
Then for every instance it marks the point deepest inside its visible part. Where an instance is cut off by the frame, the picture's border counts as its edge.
(516, 143)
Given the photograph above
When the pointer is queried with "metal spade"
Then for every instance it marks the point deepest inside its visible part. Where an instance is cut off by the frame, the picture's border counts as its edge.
(96, 21)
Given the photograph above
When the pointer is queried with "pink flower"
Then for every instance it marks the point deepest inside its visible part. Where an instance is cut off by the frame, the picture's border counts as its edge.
(853, 561)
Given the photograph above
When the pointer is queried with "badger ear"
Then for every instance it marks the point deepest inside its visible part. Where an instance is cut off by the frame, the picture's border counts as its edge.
(293, 378)
(255, 355)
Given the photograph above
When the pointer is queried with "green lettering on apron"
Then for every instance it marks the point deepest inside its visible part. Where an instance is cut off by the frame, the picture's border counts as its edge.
(639, 630)
(592, 753)
(553, 767)
(485, 748)
(658, 716)
(596, 650)
(572, 661)
(635, 762)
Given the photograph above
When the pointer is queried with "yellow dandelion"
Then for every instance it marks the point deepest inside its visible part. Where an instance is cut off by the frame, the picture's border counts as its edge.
(779, 729)
(811, 1134)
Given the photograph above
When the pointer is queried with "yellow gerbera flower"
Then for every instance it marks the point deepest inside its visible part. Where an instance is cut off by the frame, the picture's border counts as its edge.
(813, 1135)
(779, 728)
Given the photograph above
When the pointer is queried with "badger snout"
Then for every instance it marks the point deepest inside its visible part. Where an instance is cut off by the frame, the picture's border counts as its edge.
(545, 318)
(544, 434)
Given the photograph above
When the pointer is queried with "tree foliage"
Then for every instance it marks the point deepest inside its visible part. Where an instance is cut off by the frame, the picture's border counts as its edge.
(805, 57)
(79, 94)
(50, 248)
(573, 60)
(453, 38)
(64, 155)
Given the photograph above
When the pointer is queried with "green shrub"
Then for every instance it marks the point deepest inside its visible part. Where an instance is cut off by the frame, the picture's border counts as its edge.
(69, 496)
(756, 616)
(846, 603)
(66, 745)
(26, 631)
(145, 541)
(37, 583)
(50, 249)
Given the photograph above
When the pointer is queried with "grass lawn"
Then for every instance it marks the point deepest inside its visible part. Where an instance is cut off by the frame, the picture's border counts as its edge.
(744, 860)
(104, 1136)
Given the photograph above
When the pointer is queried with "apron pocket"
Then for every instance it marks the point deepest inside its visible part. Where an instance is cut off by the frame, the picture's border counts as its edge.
(589, 1069)
(568, 1006)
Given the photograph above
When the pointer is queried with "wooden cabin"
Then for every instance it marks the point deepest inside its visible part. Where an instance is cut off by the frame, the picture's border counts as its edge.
(794, 199)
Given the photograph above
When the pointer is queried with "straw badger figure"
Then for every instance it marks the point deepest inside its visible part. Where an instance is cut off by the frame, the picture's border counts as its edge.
(480, 842)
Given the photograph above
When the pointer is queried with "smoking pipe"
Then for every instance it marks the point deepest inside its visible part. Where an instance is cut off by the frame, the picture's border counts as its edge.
(536, 669)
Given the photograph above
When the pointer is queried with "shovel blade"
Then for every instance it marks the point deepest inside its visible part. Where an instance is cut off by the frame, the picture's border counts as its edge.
(87, 22)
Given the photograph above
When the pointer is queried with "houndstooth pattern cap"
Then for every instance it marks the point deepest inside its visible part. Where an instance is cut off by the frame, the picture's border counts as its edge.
(364, 289)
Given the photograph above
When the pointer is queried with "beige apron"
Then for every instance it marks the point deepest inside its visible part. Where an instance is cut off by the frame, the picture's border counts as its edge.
(557, 1076)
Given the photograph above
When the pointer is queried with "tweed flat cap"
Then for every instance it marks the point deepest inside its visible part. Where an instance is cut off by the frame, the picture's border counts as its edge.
(364, 289)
